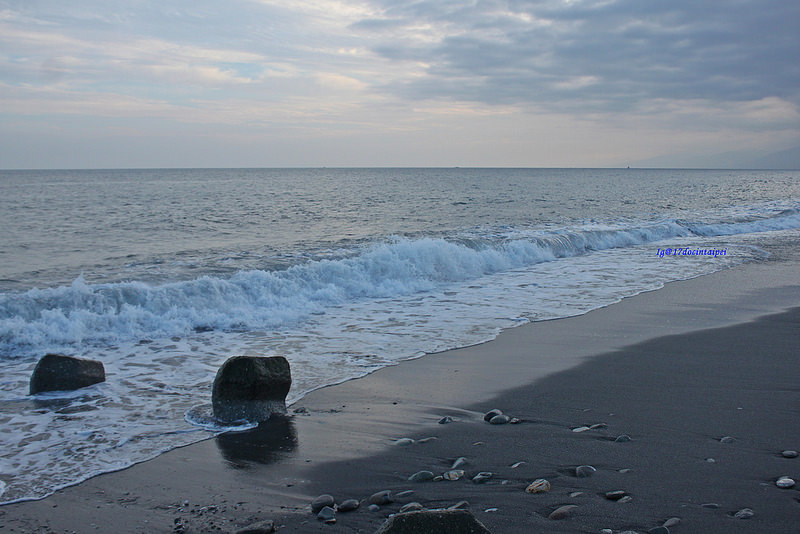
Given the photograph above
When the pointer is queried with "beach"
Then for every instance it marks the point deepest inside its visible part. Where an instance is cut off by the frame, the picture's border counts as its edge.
(676, 370)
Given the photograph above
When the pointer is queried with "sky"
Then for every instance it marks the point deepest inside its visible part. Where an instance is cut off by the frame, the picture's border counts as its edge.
(310, 83)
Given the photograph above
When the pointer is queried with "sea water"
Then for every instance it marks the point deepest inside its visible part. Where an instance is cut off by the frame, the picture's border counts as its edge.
(164, 274)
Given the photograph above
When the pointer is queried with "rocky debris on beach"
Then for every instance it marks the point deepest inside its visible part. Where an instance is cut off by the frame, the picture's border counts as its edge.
(584, 471)
(562, 512)
(348, 505)
(744, 513)
(617, 495)
(58, 372)
(421, 476)
(622, 438)
(380, 498)
(262, 527)
(321, 502)
(784, 482)
(497, 417)
(540, 485)
(455, 521)
(251, 388)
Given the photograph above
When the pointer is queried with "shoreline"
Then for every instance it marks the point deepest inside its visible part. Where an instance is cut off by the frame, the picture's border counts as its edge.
(237, 479)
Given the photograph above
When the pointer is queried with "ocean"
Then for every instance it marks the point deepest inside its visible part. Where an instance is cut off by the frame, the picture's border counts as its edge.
(164, 274)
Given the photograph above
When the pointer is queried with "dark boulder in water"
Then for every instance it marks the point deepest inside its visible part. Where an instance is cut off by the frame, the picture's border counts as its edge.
(251, 388)
(433, 522)
(57, 372)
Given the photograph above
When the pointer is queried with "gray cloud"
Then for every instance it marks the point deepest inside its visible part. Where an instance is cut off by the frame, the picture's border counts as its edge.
(597, 55)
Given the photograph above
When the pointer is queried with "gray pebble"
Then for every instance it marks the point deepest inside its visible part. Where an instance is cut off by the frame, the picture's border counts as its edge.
(327, 514)
(744, 513)
(421, 476)
(626, 498)
(727, 439)
(321, 502)
(710, 505)
(575, 494)
(404, 442)
(348, 506)
(426, 440)
(789, 454)
(446, 419)
(562, 512)
(491, 413)
(514, 421)
(499, 419)
(784, 482)
(598, 426)
(381, 497)
(482, 477)
(672, 522)
(615, 495)
(584, 471)
(622, 438)
(581, 429)
(403, 494)
(373, 508)
(460, 505)
(454, 474)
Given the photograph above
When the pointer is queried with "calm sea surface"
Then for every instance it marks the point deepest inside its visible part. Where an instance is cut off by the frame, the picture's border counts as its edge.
(164, 274)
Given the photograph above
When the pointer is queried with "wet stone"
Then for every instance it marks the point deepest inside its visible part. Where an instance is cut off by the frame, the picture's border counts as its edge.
(499, 420)
(321, 502)
(744, 513)
(710, 505)
(672, 522)
(421, 476)
(789, 454)
(404, 442)
(445, 420)
(403, 494)
(459, 462)
(482, 477)
(373, 508)
(348, 506)
(381, 497)
(327, 514)
(784, 482)
(562, 512)
(658, 530)
(460, 505)
(411, 507)
(615, 495)
(539, 485)
(622, 438)
(490, 414)
(454, 474)
(727, 439)
(581, 429)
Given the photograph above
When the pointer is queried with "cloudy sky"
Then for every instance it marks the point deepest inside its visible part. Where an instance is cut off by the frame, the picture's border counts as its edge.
(266, 83)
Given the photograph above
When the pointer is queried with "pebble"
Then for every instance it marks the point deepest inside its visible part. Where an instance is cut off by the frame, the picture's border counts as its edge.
(446, 419)
(626, 498)
(373, 508)
(321, 502)
(672, 522)
(598, 426)
(459, 462)
(623, 471)
(491, 413)
(421, 476)
(622, 438)
(514, 421)
(584, 471)
(438, 478)
(785, 482)
(710, 505)
(482, 477)
(404, 442)
(381, 497)
(575, 494)
(744, 513)
(606, 531)
(711, 460)
(348, 506)
(327, 514)
(426, 440)
(789, 454)
(581, 429)
(615, 495)
(403, 494)
(517, 464)
(539, 485)
(411, 507)
(499, 420)
(490, 510)
(727, 439)
(562, 512)
(460, 505)
(453, 474)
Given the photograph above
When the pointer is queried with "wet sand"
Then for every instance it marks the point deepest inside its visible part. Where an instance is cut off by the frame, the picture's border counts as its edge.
(677, 370)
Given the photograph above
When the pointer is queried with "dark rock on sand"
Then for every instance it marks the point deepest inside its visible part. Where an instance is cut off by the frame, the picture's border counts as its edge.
(382, 497)
(321, 502)
(584, 471)
(499, 420)
(744, 513)
(348, 506)
(445, 420)
(421, 476)
(562, 512)
(433, 522)
(615, 495)
(57, 372)
(411, 507)
(263, 527)
(789, 454)
(482, 477)
(622, 438)
(491, 413)
(327, 514)
(251, 388)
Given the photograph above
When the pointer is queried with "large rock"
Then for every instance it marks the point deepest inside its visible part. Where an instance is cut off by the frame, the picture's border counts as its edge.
(251, 388)
(57, 372)
(433, 522)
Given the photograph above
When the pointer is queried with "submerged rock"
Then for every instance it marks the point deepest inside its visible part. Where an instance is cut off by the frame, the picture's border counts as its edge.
(57, 372)
(433, 522)
(251, 388)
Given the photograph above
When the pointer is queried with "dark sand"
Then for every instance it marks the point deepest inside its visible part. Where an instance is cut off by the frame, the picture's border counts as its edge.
(676, 369)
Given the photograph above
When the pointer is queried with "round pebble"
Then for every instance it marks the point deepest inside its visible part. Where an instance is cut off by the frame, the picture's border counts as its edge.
(789, 454)
(404, 442)
(453, 474)
(584, 471)
(491, 413)
(615, 495)
(421, 476)
(373, 508)
(517, 464)
(581, 429)
(348, 506)
(622, 438)
(784, 482)
(381, 497)
(744, 513)
(482, 477)
(499, 420)
(562, 512)
(539, 485)
(321, 502)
